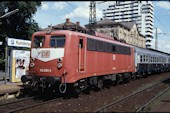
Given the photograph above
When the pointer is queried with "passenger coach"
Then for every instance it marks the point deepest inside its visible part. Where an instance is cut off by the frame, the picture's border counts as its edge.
(148, 61)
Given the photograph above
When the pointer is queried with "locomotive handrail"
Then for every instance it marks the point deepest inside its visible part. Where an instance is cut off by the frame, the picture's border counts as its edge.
(63, 84)
(85, 58)
(79, 54)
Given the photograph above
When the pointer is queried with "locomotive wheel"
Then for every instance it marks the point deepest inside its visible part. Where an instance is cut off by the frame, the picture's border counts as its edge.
(99, 85)
(133, 77)
(77, 90)
(119, 79)
(114, 83)
(145, 75)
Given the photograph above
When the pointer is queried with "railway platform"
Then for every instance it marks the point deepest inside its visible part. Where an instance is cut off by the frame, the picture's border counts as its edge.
(163, 105)
(10, 90)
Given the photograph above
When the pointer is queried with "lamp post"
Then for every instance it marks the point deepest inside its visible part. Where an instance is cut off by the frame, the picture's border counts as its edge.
(6, 40)
(9, 13)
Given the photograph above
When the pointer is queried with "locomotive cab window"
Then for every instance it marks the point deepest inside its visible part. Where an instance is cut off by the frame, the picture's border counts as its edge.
(38, 41)
(81, 43)
(57, 41)
(91, 44)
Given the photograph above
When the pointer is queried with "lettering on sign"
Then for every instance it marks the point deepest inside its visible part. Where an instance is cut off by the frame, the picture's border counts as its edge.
(45, 70)
(44, 54)
(18, 42)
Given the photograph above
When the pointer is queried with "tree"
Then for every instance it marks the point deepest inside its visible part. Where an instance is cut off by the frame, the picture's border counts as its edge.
(19, 25)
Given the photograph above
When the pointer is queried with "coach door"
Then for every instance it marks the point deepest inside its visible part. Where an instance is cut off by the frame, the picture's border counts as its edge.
(81, 54)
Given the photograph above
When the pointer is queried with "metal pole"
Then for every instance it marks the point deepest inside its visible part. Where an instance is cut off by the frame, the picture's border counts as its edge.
(156, 39)
(6, 59)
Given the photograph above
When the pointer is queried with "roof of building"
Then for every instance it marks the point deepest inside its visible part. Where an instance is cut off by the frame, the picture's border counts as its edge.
(128, 24)
(125, 25)
(68, 25)
(105, 21)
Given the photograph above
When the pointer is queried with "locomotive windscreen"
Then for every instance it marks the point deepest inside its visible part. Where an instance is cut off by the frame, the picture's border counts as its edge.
(57, 41)
(38, 41)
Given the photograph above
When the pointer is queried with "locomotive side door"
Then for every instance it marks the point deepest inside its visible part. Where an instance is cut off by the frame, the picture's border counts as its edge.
(81, 55)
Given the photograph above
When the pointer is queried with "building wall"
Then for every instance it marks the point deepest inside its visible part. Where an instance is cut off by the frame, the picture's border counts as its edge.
(129, 36)
(140, 11)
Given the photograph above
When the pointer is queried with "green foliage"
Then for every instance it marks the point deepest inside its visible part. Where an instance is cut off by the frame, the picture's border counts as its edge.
(20, 24)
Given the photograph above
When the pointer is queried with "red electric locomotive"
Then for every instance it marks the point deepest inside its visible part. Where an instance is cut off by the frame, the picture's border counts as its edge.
(61, 58)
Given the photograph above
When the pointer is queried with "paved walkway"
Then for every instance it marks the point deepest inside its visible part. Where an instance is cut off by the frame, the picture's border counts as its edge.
(8, 87)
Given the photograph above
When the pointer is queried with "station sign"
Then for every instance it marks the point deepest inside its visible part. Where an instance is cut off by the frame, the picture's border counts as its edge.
(19, 43)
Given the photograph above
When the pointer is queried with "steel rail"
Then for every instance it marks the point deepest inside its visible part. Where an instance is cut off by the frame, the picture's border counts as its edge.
(34, 105)
(102, 109)
(7, 103)
(151, 101)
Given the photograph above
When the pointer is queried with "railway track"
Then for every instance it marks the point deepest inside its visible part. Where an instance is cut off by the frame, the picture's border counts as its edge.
(25, 103)
(138, 100)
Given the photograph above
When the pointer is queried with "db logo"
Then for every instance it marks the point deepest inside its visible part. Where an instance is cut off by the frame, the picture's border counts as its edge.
(45, 54)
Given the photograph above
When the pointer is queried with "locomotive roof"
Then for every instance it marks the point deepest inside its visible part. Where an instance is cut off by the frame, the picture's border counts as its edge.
(98, 37)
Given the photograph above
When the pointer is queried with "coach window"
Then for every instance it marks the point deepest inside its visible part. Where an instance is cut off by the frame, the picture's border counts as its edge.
(38, 41)
(141, 58)
(108, 47)
(91, 44)
(57, 41)
(113, 48)
(159, 59)
(100, 46)
(128, 51)
(144, 58)
(149, 58)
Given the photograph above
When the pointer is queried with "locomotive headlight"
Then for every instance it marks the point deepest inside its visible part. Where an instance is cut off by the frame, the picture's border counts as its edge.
(32, 64)
(32, 59)
(59, 65)
(59, 60)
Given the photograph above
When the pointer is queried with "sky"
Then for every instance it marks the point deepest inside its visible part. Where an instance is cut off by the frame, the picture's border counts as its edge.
(56, 12)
